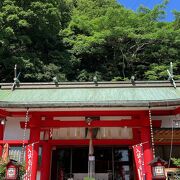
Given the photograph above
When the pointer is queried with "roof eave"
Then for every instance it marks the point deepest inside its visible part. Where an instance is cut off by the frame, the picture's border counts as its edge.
(165, 103)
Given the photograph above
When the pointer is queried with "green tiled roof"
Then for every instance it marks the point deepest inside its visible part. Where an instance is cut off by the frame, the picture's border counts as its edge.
(89, 96)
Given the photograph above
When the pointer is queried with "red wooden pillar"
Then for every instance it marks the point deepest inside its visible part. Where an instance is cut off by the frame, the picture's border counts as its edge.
(136, 135)
(1, 138)
(147, 148)
(46, 161)
(34, 138)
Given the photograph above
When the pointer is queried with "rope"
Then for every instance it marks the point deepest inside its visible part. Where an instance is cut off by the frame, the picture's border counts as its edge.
(151, 130)
(171, 147)
(24, 135)
(32, 158)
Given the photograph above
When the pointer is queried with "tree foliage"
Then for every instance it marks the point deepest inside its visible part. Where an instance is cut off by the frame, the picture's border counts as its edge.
(176, 161)
(75, 39)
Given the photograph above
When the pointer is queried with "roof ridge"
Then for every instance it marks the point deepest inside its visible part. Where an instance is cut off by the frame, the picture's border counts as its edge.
(102, 84)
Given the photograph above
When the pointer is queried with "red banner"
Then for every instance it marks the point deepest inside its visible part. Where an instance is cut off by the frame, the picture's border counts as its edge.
(139, 160)
(29, 159)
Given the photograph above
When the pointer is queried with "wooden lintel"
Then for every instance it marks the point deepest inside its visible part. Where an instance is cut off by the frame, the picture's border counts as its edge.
(158, 143)
(104, 123)
(96, 142)
(13, 142)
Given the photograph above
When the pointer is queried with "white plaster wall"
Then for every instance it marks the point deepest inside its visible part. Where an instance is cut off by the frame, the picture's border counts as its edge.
(167, 120)
(13, 130)
(82, 118)
(70, 118)
(103, 133)
(115, 117)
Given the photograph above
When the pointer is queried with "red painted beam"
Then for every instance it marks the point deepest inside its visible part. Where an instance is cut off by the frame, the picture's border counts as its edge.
(177, 111)
(4, 113)
(14, 142)
(167, 143)
(136, 133)
(105, 123)
(156, 123)
(96, 142)
(86, 142)
(165, 112)
(109, 123)
(162, 112)
(83, 113)
(95, 113)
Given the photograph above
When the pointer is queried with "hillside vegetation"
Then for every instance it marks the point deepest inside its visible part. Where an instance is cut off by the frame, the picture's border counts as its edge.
(76, 39)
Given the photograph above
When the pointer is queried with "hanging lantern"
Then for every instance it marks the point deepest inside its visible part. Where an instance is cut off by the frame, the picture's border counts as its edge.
(158, 168)
(12, 170)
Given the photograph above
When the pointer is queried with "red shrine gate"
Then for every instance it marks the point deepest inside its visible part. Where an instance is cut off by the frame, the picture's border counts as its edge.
(42, 122)
(53, 125)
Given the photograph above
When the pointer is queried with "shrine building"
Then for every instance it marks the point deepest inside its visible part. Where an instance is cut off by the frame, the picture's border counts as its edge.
(58, 120)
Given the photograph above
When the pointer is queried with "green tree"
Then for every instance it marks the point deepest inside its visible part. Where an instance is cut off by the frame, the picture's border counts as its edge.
(105, 37)
(29, 38)
(76, 39)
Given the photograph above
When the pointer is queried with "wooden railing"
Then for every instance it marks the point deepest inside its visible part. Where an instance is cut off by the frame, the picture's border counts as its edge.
(16, 155)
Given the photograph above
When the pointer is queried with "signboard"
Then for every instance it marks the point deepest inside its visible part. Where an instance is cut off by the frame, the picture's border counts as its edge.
(139, 161)
(11, 172)
(158, 171)
(29, 159)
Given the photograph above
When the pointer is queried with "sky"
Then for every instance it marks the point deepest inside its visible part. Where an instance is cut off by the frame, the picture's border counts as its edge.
(134, 4)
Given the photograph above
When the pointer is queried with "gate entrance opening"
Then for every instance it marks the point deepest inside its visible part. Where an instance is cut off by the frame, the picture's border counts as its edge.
(111, 163)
